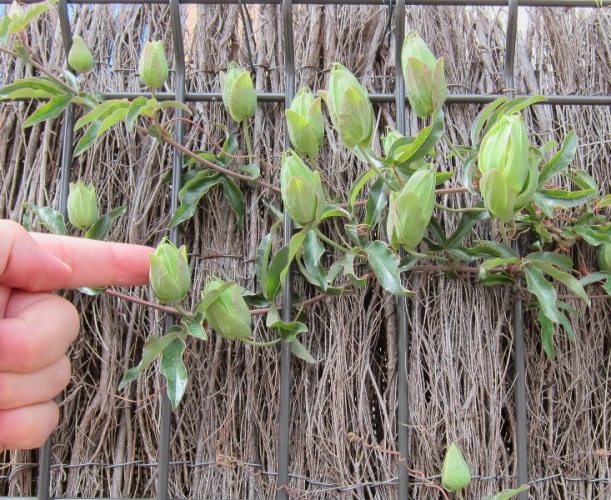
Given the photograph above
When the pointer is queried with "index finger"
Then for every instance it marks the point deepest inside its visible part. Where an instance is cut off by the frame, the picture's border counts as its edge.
(98, 263)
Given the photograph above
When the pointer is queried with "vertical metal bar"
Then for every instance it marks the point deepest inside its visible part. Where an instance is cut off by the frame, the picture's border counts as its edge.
(179, 64)
(402, 319)
(285, 351)
(44, 462)
(517, 320)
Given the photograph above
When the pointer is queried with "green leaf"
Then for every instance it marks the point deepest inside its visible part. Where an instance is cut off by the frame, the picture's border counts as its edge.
(134, 111)
(496, 249)
(88, 138)
(560, 160)
(548, 329)
(441, 177)
(424, 142)
(605, 202)
(212, 296)
(50, 218)
(117, 116)
(230, 149)
(563, 277)
(517, 104)
(553, 258)
(357, 186)
(173, 368)
(36, 87)
(510, 493)
(262, 257)
(313, 250)
(278, 264)
(346, 263)
(234, 197)
(101, 111)
(543, 290)
(466, 223)
(594, 278)
(5, 25)
(191, 193)
(289, 331)
(47, 111)
(176, 105)
(376, 203)
(558, 198)
(153, 347)
(92, 290)
(385, 265)
(251, 169)
(100, 228)
(295, 245)
(301, 351)
(582, 179)
(334, 211)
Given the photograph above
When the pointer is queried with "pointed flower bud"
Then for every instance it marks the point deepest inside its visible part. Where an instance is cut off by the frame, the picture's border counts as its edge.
(349, 107)
(17, 16)
(80, 57)
(170, 275)
(603, 257)
(153, 66)
(82, 205)
(455, 472)
(301, 188)
(238, 93)
(225, 309)
(424, 75)
(305, 122)
(411, 209)
(504, 162)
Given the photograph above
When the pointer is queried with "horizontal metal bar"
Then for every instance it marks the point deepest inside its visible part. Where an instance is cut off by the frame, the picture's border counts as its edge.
(457, 3)
(571, 100)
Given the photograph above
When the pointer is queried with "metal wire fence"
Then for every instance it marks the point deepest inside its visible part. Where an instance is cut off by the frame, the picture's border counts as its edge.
(404, 479)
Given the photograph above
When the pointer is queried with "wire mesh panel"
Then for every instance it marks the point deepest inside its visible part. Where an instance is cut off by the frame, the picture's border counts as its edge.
(396, 380)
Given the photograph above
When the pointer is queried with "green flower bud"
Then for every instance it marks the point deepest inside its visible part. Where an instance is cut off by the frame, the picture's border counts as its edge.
(170, 275)
(410, 210)
(80, 57)
(238, 93)
(388, 140)
(153, 67)
(505, 147)
(455, 473)
(82, 205)
(498, 198)
(305, 122)
(424, 75)
(17, 15)
(301, 188)
(349, 107)
(225, 309)
(603, 257)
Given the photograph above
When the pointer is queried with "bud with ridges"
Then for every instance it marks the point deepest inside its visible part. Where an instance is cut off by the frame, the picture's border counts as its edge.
(301, 188)
(153, 66)
(82, 205)
(169, 274)
(305, 122)
(227, 314)
(424, 75)
(603, 257)
(349, 108)
(455, 472)
(411, 209)
(238, 93)
(80, 57)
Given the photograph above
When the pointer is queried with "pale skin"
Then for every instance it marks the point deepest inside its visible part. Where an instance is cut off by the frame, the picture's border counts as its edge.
(37, 326)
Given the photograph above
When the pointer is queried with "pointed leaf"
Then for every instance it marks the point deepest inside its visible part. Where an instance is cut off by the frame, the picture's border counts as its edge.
(278, 264)
(543, 290)
(234, 197)
(301, 351)
(563, 277)
(548, 328)
(49, 218)
(100, 228)
(47, 111)
(376, 203)
(313, 250)
(560, 160)
(134, 111)
(173, 368)
(510, 493)
(191, 193)
(262, 258)
(385, 265)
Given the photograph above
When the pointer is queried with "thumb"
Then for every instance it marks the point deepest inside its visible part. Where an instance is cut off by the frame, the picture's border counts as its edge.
(25, 264)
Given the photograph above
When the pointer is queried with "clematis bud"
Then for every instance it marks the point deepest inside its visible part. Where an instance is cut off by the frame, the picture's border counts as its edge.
(305, 122)
(17, 15)
(301, 188)
(349, 107)
(603, 257)
(225, 309)
(153, 66)
(424, 75)
(170, 275)
(238, 93)
(504, 162)
(80, 58)
(411, 209)
(82, 205)
(455, 472)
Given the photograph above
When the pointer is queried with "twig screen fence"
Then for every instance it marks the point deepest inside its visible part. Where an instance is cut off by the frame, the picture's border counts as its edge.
(406, 377)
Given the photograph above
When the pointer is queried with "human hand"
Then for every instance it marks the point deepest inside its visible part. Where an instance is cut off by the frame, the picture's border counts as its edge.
(36, 327)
